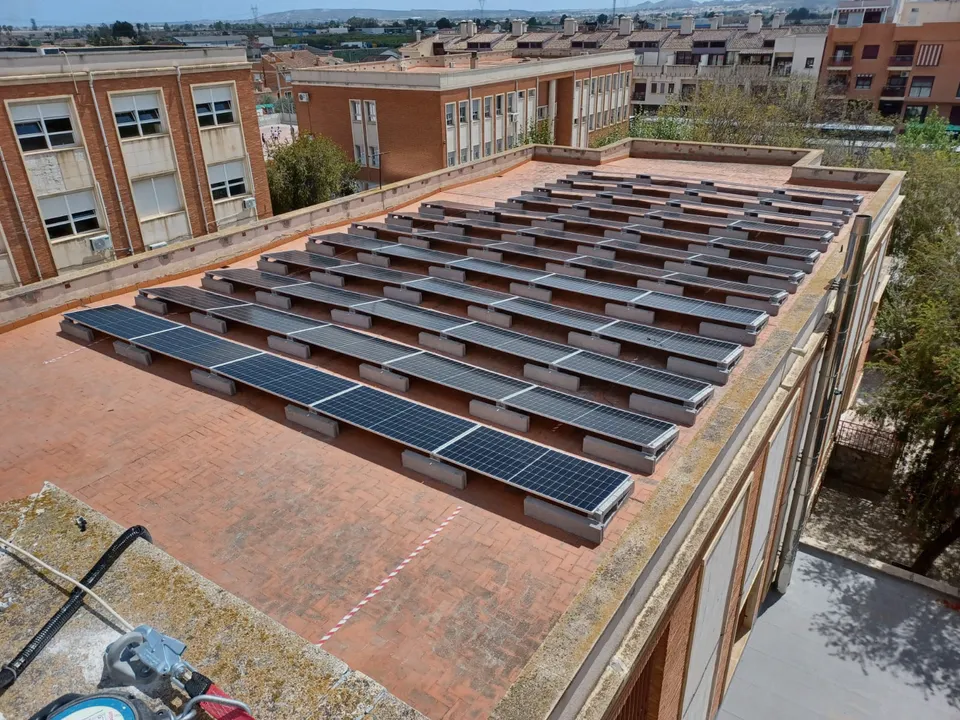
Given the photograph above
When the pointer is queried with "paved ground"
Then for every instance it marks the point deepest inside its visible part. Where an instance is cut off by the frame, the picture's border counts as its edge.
(848, 643)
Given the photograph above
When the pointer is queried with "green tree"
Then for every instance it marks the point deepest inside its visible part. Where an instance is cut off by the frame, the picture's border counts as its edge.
(33, 24)
(121, 28)
(602, 19)
(533, 22)
(537, 133)
(444, 24)
(312, 169)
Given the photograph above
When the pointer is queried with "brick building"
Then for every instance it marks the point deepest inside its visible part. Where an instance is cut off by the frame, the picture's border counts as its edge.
(272, 69)
(903, 57)
(406, 117)
(110, 153)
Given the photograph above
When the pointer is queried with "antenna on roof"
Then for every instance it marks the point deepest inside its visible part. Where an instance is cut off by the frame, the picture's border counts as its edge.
(255, 14)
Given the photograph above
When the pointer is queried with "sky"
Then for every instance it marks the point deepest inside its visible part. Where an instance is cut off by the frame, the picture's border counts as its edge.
(70, 12)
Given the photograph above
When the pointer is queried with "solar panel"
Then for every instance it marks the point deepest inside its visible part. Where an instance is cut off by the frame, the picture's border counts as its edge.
(253, 278)
(695, 346)
(291, 381)
(416, 253)
(459, 375)
(195, 347)
(531, 250)
(303, 259)
(488, 267)
(651, 250)
(747, 266)
(790, 251)
(582, 220)
(704, 310)
(355, 344)
(668, 234)
(792, 230)
(372, 272)
(595, 288)
(274, 321)
(553, 313)
(120, 321)
(457, 290)
(777, 297)
(451, 237)
(193, 297)
(493, 452)
(412, 315)
(328, 295)
(618, 266)
(510, 342)
(648, 380)
(355, 242)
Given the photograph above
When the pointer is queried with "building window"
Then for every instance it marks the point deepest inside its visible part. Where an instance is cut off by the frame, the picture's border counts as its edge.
(463, 112)
(258, 77)
(499, 145)
(358, 155)
(916, 113)
(511, 103)
(864, 82)
(448, 111)
(287, 77)
(42, 126)
(227, 180)
(487, 148)
(464, 155)
(476, 151)
(870, 52)
(475, 109)
(499, 105)
(451, 158)
(156, 196)
(355, 111)
(371, 111)
(374, 156)
(921, 86)
(69, 214)
(808, 63)
(487, 105)
(137, 115)
(214, 105)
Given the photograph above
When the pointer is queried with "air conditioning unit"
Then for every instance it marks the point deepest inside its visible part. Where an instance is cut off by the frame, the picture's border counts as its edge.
(156, 245)
(249, 203)
(303, 97)
(100, 244)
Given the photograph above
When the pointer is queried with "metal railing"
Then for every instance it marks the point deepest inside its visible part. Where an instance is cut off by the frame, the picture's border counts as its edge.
(893, 91)
(900, 60)
(868, 438)
(840, 60)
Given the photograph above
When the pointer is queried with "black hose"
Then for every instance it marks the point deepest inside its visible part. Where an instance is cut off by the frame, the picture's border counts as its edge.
(13, 669)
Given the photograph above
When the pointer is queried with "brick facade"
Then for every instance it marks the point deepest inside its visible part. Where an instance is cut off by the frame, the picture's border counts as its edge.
(117, 195)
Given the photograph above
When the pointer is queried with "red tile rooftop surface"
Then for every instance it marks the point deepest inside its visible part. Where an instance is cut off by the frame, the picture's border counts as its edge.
(304, 528)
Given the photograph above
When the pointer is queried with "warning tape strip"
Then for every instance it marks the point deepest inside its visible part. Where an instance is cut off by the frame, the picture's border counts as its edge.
(61, 357)
(390, 576)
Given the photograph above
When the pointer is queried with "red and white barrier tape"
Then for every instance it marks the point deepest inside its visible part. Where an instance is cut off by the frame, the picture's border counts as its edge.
(390, 576)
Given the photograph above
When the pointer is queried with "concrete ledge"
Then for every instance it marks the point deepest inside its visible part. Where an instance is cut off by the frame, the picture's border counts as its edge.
(500, 416)
(710, 373)
(158, 307)
(220, 286)
(447, 474)
(522, 239)
(619, 455)
(659, 287)
(402, 294)
(68, 327)
(589, 342)
(771, 282)
(362, 232)
(320, 248)
(549, 224)
(688, 268)
(708, 250)
(288, 347)
(371, 259)
(445, 345)
(549, 376)
(753, 304)
(132, 353)
(400, 383)
(273, 300)
(270, 266)
(633, 314)
(312, 421)
(724, 332)
(660, 408)
(485, 254)
(394, 219)
(562, 518)
(413, 242)
(534, 293)
(649, 222)
(207, 322)
(351, 318)
(323, 278)
(489, 316)
(446, 273)
(727, 232)
(222, 385)
(565, 270)
(596, 252)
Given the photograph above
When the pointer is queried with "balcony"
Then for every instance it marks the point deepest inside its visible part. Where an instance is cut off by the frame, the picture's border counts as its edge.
(893, 91)
(840, 60)
(638, 97)
(900, 61)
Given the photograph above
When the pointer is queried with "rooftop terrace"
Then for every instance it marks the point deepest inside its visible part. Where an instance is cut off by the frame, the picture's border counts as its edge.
(304, 527)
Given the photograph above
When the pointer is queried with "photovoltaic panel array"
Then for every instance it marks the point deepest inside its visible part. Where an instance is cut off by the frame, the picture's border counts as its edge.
(789, 230)
(305, 259)
(354, 242)
(579, 484)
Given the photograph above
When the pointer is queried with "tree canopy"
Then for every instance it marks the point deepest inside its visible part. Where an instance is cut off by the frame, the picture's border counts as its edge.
(444, 24)
(312, 169)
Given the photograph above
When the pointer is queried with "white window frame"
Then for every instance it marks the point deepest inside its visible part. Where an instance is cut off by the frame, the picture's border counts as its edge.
(476, 151)
(374, 156)
(156, 197)
(359, 154)
(356, 112)
(71, 219)
(214, 112)
(475, 109)
(488, 106)
(41, 120)
(499, 105)
(462, 112)
(449, 114)
(371, 111)
(138, 122)
(227, 184)
(451, 158)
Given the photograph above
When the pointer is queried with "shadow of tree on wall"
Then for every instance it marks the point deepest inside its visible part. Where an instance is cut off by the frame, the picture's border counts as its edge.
(888, 625)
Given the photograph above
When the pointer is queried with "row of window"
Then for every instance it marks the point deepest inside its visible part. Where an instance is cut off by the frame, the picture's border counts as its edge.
(49, 125)
(920, 87)
(370, 157)
(614, 87)
(457, 114)
(492, 106)
(356, 110)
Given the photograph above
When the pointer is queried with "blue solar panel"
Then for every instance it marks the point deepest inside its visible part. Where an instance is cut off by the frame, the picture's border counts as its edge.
(493, 452)
(569, 480)
(290, 380)
(121, 322)
(195, 347)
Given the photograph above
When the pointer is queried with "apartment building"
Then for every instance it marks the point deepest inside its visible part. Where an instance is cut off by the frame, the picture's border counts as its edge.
(405, 117)
(111, 153)
(902, 57)
(272, 70)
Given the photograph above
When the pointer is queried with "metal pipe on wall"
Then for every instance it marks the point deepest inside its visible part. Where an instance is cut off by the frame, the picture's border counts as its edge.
(193, 158)
(849, 284)
(23, 222)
